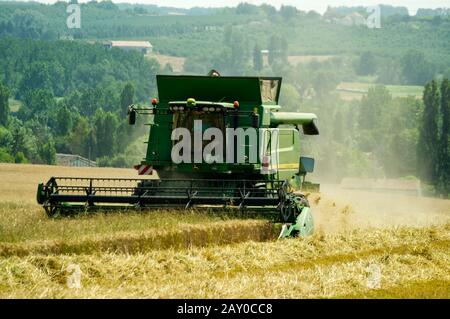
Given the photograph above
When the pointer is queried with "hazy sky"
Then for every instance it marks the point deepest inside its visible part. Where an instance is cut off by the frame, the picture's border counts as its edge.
(317, 5)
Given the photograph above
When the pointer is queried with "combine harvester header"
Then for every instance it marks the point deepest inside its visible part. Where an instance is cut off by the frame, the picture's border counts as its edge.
(213, 141)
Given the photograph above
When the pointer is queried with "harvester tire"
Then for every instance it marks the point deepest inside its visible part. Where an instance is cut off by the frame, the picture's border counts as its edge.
(51, 211)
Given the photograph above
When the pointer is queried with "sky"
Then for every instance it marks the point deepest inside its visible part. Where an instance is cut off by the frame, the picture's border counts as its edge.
(305, 5)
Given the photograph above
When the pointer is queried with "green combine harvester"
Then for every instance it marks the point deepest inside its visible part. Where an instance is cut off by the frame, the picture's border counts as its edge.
(252, 165)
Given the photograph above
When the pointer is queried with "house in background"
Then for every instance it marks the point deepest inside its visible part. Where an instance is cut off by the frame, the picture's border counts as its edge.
(141, 46)
(73, 160)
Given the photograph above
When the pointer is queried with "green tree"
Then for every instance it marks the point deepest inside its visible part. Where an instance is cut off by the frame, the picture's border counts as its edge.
(126, 98)
(239, 53)
(37, 103)
(90, 101)
(290, 98)
(36, 77)
(81, 139)
(284, 45)
(278, 49)
(389, 71)
(5, 157)
(443, 165)
(227, 35)
(6, 138)
(64, 120)
(428, 134)
(28, 24)
(47, 152)
(23, 141)
(246, 8)
(372, 123)
(105, 127)
(288, 12)
(274, 48)
(257, 58)
(56, 74)
(400, 137)
(268, 10)
(20, 158)
(4, 104)
(416, 69)
(372, 106)
(324, 82)
(367, 64)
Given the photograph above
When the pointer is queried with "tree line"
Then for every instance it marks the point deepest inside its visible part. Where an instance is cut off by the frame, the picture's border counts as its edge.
(189, 35)
(433, 151)
(73, 98)
(65, 66)
(378, 136)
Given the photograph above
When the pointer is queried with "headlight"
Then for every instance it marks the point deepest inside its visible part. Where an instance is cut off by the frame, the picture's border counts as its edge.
(205, 109)
(211, 109)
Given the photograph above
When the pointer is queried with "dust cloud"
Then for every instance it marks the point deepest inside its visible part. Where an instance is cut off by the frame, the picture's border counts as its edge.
(339, 210)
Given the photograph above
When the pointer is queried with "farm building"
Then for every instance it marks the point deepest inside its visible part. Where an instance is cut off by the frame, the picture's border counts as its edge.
(73, 160)
(142, 46)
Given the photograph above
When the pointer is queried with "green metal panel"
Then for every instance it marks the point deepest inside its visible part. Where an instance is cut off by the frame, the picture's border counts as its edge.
(159, 142)
(206, 88)
(246, 90)
(289, 153)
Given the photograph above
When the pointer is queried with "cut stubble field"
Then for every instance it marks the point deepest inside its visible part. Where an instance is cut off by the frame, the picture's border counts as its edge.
(193, 254)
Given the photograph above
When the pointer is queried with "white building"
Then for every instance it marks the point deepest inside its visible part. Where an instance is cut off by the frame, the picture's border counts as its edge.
(142, 46)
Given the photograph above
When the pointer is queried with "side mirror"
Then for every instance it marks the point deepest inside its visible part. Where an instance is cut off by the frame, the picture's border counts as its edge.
(310, 128)
(306, 165)
(131, 116)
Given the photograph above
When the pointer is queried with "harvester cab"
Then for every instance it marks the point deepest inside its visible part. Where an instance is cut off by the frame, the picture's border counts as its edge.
(214, 141)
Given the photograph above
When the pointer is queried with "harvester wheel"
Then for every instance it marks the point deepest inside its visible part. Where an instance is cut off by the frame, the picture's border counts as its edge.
(51, 210)
(287, 212)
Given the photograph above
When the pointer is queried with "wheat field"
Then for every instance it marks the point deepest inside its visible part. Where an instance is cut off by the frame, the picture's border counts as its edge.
(365, 246)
